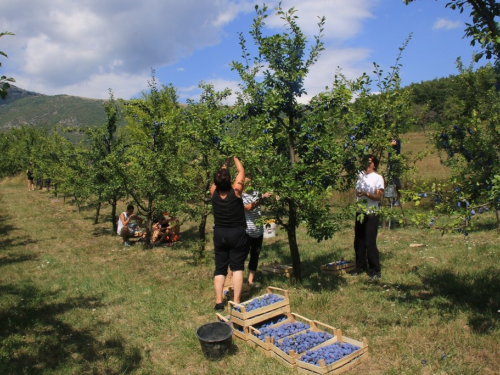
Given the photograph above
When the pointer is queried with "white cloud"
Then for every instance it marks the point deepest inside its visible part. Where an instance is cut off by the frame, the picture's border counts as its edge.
(350, 60)
(443, 23)
(83, 48)
(220, 84)
(343, 18)
(63, 43)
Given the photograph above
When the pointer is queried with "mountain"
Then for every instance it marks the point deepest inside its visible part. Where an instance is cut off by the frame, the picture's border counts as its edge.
(23, 107)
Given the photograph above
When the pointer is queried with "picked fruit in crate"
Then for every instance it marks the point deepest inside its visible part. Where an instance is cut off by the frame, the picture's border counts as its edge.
(329, 354)
(260, 302)
(243, 332)
(290, 348)
(333, 357)
(303, 341)
(276, 268)
(261, 308)
(340, 266)
(282, 331)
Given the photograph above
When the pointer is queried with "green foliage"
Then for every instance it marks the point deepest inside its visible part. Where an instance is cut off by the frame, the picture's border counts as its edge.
(305, 152)
(18, 149)
(105, 181)
(274, 126)
(4, 81)
(151, 168)
(208, 136)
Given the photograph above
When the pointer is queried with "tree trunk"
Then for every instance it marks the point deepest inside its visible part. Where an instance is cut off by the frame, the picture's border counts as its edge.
(292, 242)
(498, 219)
(97, 211)
(114, 219)
(149, 225)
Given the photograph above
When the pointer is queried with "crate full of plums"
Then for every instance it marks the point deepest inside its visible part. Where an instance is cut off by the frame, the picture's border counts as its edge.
(334, 356)
(339, 267)
(263, 337)
(277, 269)
(242, 332)
(256, 310)
(288, 348)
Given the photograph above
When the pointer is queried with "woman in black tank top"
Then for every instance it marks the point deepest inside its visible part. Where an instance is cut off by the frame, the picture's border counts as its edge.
(230, 240)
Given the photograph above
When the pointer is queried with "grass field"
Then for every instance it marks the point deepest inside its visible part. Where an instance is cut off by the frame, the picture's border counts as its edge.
(73, 300)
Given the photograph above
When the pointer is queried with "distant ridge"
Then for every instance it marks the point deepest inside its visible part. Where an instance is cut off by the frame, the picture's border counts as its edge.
(23, 107)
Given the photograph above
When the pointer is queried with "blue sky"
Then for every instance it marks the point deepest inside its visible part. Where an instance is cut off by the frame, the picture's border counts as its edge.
(85, 48)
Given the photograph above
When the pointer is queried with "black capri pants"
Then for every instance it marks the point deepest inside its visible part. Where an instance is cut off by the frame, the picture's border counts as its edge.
(231, 247)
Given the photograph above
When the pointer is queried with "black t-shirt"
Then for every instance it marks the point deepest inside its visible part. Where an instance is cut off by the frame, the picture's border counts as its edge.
(228, 212)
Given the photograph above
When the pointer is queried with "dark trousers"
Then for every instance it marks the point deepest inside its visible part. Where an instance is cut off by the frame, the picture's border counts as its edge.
(255, 248)
(231, 249)
(365, 244)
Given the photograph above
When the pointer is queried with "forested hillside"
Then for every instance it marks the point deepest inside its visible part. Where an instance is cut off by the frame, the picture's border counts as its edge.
(23, 107)
(437, 101)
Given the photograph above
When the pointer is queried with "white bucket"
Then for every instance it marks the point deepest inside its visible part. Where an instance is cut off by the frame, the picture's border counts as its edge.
(270, 230)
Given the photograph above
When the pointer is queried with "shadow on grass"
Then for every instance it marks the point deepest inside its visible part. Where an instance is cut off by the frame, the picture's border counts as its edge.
(475, 293)
(33, 339)
(103, 231)
(5, 261)
(313, 278)
(5, 228)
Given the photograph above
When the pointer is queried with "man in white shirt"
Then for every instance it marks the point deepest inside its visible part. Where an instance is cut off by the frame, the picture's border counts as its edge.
(370, 189)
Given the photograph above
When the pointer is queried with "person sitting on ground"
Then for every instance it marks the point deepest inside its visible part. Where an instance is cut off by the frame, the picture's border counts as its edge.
(165, 230)
(127, 229)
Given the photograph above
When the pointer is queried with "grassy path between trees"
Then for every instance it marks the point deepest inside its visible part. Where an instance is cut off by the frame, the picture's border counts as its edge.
(74, 301)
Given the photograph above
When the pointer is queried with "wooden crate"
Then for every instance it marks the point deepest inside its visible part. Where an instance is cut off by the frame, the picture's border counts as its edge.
(229, 291)
(251, 318)
(238, 331)
(340, 366)
(334, 268)
(290, 360)
(277, 269)
(266, 345)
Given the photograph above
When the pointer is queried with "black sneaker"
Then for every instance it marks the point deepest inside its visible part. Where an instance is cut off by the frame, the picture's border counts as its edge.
(219, 306)
(357, 272)
(375, 277)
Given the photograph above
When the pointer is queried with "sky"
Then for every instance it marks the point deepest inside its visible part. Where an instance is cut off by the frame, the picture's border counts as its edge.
(84, 48)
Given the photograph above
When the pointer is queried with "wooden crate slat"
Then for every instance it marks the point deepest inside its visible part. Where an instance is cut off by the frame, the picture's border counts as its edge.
(337, 371)
(342, 364)
(260, 318)
(267, 344)
(245, 315)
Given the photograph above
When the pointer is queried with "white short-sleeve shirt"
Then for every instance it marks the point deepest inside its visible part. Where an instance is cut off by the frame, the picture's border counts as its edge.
(369, 182)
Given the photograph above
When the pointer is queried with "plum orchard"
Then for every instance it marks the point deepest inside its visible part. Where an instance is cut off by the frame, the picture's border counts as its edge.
(303, 153)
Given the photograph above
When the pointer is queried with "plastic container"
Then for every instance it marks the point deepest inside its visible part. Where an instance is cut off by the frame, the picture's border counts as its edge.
(215, 339)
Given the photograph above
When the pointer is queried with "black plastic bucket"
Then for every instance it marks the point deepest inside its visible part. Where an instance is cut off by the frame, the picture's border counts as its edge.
(216, 339)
